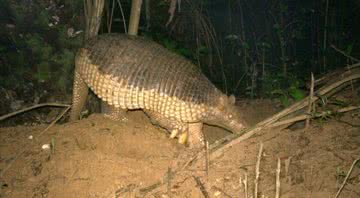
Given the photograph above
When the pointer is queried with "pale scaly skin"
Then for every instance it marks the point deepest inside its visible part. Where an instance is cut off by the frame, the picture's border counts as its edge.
(134, 73)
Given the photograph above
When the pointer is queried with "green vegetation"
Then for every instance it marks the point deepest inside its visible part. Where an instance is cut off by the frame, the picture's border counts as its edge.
(38, 44)
(247, 48)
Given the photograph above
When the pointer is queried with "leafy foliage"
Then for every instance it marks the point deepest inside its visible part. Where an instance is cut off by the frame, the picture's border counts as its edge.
(284, 88)
(37, 44)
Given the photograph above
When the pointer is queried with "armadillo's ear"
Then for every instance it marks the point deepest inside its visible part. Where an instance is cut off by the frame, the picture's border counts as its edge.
(223, 101)
(232, 99)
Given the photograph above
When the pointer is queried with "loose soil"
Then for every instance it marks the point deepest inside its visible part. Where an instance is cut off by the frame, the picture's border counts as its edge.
(97, 157)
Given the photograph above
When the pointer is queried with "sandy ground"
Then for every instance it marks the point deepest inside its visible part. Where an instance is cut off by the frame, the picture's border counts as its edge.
(97, 157)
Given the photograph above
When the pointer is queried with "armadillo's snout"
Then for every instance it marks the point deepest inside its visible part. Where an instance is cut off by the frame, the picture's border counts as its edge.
(228, 118)
(236, 126)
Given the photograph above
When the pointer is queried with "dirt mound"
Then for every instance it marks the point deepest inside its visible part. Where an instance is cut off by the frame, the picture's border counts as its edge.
(97, 157)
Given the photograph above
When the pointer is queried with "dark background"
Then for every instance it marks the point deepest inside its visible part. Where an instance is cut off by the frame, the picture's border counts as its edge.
(250, 48)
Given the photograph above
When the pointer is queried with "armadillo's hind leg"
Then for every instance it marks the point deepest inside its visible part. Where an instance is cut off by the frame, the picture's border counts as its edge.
(113, 113)
(80, 92)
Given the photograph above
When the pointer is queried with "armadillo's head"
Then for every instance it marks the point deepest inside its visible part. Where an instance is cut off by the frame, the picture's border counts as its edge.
(225, 115)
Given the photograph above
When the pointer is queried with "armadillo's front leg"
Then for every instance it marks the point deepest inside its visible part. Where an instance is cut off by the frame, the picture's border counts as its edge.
(80, 92)
(195, 135)
(112, 112)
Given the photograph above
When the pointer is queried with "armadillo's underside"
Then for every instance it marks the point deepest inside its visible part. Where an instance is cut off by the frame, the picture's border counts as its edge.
(134, 73)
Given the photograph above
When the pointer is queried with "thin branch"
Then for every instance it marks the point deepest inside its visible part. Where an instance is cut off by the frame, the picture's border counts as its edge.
(309, 110)
(347, 177)
(245, 182)
(257, 170)
(122, 15)
(57, 119)
(308, 116)
(343, 53)
(201, 187)
(110, 18)
(278, 170)
(31, 108)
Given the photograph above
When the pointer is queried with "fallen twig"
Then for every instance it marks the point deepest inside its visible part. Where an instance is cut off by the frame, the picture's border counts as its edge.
(278, 170)
(329, 77)
(347, 177)
(306, 116)
(257, 170)
(201, 187)
(245, 182)
(31, 108)
(57, 119)
(344, 53)
(310, 107)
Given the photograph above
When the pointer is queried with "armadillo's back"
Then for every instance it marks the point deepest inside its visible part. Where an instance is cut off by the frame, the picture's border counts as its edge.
(132, 73)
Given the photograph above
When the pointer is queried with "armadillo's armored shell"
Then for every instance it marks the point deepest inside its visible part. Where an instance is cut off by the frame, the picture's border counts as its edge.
(135, 73)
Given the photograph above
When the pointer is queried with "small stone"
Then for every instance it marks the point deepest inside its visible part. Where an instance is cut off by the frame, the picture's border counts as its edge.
(217, 193)
(45, 146)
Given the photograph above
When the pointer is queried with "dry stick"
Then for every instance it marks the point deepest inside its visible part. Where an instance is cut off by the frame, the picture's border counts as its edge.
(304, 117)
(110, 16)
(345, 54)
(122, 15)
(353, 66)
(31, 108)
(201, 186)
(52, 123)
(245, 181)
(277, 192)
(336, 74)
(257, 170)
(309, 110)
(347, 177)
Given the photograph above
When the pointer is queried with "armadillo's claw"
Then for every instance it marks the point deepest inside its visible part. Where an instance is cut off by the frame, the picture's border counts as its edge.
(183, 138)
(174, 133)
